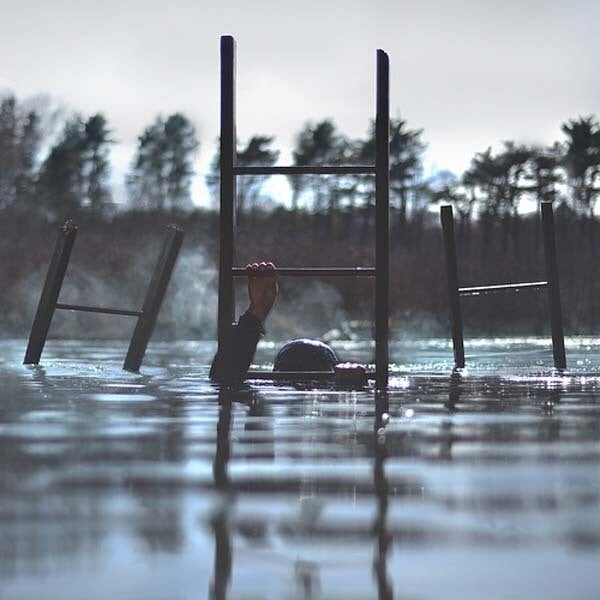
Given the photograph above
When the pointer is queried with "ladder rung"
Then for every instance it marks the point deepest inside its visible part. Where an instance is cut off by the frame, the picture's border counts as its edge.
(97, 309)
(310, 271)
(297, 375)
(307, 170)
(491, 289)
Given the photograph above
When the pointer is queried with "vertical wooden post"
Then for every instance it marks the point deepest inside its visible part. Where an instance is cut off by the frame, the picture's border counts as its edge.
(558, 340)
(154, 297)
(382, 220)
(453, 295)
(50, 292)
(228, 184)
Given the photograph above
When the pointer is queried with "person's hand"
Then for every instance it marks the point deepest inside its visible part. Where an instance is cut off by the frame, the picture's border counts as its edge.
(350, 375)
(262, 290)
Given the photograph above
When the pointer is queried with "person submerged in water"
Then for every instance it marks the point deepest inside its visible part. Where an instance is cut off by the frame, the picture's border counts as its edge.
(232, 361)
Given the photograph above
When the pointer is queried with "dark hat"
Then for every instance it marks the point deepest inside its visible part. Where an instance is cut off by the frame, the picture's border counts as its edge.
(305, 355)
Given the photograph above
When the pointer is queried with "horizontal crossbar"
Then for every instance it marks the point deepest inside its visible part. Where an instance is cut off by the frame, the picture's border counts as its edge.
(97, 309)
(504, 287)
(307, 170)
(310, 272)
(297, 375)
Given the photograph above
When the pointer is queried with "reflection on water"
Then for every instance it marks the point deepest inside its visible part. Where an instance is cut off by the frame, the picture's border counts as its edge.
(160, 485)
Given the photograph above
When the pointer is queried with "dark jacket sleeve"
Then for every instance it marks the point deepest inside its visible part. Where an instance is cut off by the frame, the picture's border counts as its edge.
(233, 359)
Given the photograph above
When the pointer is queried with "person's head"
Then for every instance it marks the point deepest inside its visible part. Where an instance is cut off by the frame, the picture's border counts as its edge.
(305, 355)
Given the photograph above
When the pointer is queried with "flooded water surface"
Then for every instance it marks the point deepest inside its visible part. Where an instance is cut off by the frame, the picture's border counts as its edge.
(161, 486)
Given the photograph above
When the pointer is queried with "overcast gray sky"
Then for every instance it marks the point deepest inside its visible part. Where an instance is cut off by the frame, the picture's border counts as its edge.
(471, 73)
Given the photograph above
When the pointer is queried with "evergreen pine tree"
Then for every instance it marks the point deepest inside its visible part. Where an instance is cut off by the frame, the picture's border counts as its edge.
(161, 172)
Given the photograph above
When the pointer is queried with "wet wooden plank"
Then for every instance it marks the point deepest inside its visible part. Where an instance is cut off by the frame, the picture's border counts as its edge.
(50, 292)
(154, 297)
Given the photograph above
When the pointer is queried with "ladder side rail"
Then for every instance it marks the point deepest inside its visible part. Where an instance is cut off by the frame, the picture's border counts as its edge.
(556, 323)
(50, 292)
(458, 345)
(382, 219)
(228, 185)
(154, 297)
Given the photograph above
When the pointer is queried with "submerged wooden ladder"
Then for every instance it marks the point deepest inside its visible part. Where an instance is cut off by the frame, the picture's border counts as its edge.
(551, 284)
(229, 172)
(146, 316)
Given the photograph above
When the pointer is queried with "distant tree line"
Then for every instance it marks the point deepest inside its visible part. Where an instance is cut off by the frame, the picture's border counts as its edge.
(60, 174)
(566, 173)
(54, 168)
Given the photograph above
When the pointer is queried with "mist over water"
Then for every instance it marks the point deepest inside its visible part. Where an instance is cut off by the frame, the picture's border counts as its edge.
(189, 311)
(160, 485)
(190, 307)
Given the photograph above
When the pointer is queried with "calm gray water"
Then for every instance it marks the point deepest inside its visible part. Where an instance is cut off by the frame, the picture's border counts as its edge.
(158, 487)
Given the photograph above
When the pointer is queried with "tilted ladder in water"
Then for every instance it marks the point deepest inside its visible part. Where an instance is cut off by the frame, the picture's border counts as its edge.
(146, 317)
(551, 284)
(230, 171)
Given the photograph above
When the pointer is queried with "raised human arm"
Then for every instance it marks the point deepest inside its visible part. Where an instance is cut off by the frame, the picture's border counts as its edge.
(237, 350)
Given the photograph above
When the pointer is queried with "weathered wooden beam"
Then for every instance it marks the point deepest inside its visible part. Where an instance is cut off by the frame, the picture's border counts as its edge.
(226, 309)
(458, 345)
(50, 292)
(154, 297)
(556, 324)
(382, 219)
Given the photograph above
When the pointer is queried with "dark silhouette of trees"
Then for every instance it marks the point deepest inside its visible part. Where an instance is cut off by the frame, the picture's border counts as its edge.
(406, 166)
(406, 169)
(160, 176)
(545, 174)
(213, 177)
(96, 163)
(20, 138)
(489, 197)
(145, 182)
(257, 152)
(8, 150)
(582, 162)
(319, 144)
(76, 172)
(28, 150)
(60, 183)
(323, 144)
(497, 183)
(446, 188)
(514, 162)
(484, 176)
(180, 146)
(493, 201)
